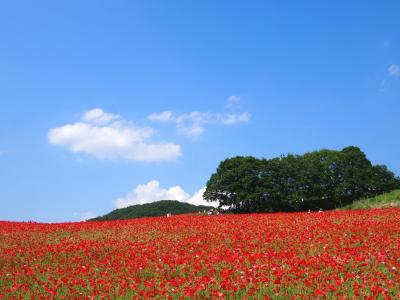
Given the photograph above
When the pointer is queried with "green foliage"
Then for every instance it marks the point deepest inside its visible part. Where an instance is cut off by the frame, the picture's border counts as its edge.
(321, 179)
(235, 183)
(391, 199)
(154, 209)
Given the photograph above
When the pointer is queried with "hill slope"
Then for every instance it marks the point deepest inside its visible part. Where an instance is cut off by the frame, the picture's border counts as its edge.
(391, 199)
(154, 209)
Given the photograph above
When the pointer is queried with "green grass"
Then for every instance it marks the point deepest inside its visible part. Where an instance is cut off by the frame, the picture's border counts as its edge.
(391, 199)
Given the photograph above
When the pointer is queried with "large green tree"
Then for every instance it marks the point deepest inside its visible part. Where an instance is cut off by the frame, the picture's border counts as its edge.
(236, 183)
(320, 179)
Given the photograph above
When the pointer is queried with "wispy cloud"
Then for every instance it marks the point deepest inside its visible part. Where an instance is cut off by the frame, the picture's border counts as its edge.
(152, 191)
(164, 116)
(232, 119)
(194, 123)
(3, 152)
(394, 70)
(384, 85)
(108, 136)
(387, 43)
(233, 101)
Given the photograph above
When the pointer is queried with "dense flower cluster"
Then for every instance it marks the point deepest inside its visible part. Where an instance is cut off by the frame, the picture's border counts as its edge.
(340, 254)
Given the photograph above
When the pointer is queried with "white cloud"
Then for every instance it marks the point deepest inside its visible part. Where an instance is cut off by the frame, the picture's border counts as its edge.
(188, 123)
(197, 199)
(394, 70)
(83, 216)
(194, 123)
(152, 191)
(3, 152)
(99, 117)
(107, 136)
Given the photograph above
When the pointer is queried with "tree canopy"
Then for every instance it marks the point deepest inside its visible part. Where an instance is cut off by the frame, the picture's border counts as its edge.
(323, 179)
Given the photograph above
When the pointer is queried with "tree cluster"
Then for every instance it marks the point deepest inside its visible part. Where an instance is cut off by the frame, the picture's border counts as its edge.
(324, 179)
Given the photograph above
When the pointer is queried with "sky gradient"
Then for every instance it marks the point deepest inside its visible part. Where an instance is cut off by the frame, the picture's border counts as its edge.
(108, 103)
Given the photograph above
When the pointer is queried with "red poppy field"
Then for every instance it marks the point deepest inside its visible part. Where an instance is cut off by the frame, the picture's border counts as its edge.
(339, 254)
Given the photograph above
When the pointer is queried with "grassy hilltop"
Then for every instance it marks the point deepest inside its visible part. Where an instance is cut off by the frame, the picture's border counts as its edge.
(154, 209)
(391, 199)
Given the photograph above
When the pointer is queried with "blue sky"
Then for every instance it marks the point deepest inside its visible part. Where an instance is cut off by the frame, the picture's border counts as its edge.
(108, 103)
